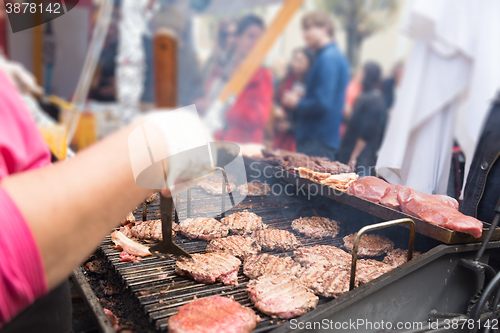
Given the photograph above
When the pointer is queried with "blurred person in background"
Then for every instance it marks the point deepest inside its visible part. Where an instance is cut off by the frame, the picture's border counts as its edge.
(246, 120)
(354, 89)
(319, 112)
(294, 80)
(365, 129)
(221, 55)
(391, 83)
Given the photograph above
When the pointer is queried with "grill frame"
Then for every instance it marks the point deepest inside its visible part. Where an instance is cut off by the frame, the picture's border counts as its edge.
(144, 283)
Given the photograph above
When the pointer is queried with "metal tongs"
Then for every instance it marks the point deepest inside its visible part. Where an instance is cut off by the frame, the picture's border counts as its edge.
(167, 245)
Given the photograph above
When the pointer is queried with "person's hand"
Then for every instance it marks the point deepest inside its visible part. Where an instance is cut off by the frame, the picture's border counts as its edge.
(279, 113)
(168, 151)
(24, 80)
(352, 163)
(291, 99)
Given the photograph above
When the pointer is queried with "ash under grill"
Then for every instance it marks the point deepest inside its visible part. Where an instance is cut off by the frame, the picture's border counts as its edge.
(161, 292)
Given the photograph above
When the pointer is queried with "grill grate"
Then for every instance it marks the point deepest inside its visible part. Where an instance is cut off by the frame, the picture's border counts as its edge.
(161, 292)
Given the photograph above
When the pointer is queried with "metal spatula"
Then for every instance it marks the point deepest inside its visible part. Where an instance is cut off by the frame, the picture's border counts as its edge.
(167, 246)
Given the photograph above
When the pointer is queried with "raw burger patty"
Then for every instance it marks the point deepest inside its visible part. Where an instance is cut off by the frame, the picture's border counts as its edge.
(213, 315)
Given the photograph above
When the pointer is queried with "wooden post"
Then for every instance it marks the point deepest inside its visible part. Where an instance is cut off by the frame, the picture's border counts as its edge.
(165, 62)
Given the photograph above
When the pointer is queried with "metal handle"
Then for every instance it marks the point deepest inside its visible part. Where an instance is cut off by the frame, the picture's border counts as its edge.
(224, 182)
(144, 211)
(377, 226)
(188, 208)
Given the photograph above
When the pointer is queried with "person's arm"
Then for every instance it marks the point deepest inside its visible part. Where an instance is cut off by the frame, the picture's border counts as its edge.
(317, 101)
(358, 149)
(252, 109)
(71, 206)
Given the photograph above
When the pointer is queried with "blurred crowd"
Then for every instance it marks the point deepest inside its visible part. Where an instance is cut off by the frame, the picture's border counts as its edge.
(321, 106)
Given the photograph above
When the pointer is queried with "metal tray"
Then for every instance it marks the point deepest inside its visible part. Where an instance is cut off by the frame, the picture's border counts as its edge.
(436, 232)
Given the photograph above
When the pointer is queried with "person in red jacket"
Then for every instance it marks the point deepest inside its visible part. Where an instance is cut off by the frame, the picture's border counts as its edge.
(247, 118)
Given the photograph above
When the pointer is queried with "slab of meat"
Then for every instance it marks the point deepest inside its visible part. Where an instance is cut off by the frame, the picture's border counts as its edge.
(130, 218)
(209, 267)
(316, 227)
(274, 160)
(128, 245)
(203, 228)
(256, 265)
(369, 269)
(398, 257)
(327, 281)
(341, 182)
(326, 255)
(369, 245)
(312, 175)
(254, 189)
(332, 167)
(428, 209)
(213, 315)
(243, 223)
(276, 240)
(390, 199)
(236, 245)
(369, 188)
(281, 296)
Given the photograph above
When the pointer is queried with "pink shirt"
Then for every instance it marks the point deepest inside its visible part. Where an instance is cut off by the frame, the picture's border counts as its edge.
(22, 277)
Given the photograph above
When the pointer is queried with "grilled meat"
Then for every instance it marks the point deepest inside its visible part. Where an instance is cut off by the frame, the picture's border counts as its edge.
(128, 245)
(274, 160)
(203, 228)
(148, 230)
(369, 245)
(152, 197)
(254, 189)
(325, 255)
(312, 175)
(398, 257)
(340, 182)
(256, 265)
(243, 223)
(316, 227)
(281, 296)
(213, 315)
(276, 240)
(213, 184)
(327, 281)
(369, 269)
(209, 267)
(130, 218)
(369, 188)
(432, 210)
(236, 245)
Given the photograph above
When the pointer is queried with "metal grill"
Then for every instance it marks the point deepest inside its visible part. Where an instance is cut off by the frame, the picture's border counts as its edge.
(161, 292)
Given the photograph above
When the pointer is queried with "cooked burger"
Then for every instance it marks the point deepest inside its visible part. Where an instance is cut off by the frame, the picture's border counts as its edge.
(316, 227)
(256, 265)
(209, 267)
(276, 240)
(325, 255)
(203, 228)
(243, 223)
(398, 257)
(281, 296)
(254, 189)
(330, 281)
(369, 245)
(236, 245)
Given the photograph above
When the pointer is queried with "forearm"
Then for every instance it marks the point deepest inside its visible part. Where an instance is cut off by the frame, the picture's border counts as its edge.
(358, 149)
(72, 205)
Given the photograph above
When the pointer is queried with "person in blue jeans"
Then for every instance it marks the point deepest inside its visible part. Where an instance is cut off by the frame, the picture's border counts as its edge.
(319, 108)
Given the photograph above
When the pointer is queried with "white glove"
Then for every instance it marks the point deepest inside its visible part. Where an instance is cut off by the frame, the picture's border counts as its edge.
(24, 80)
(170, 140)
